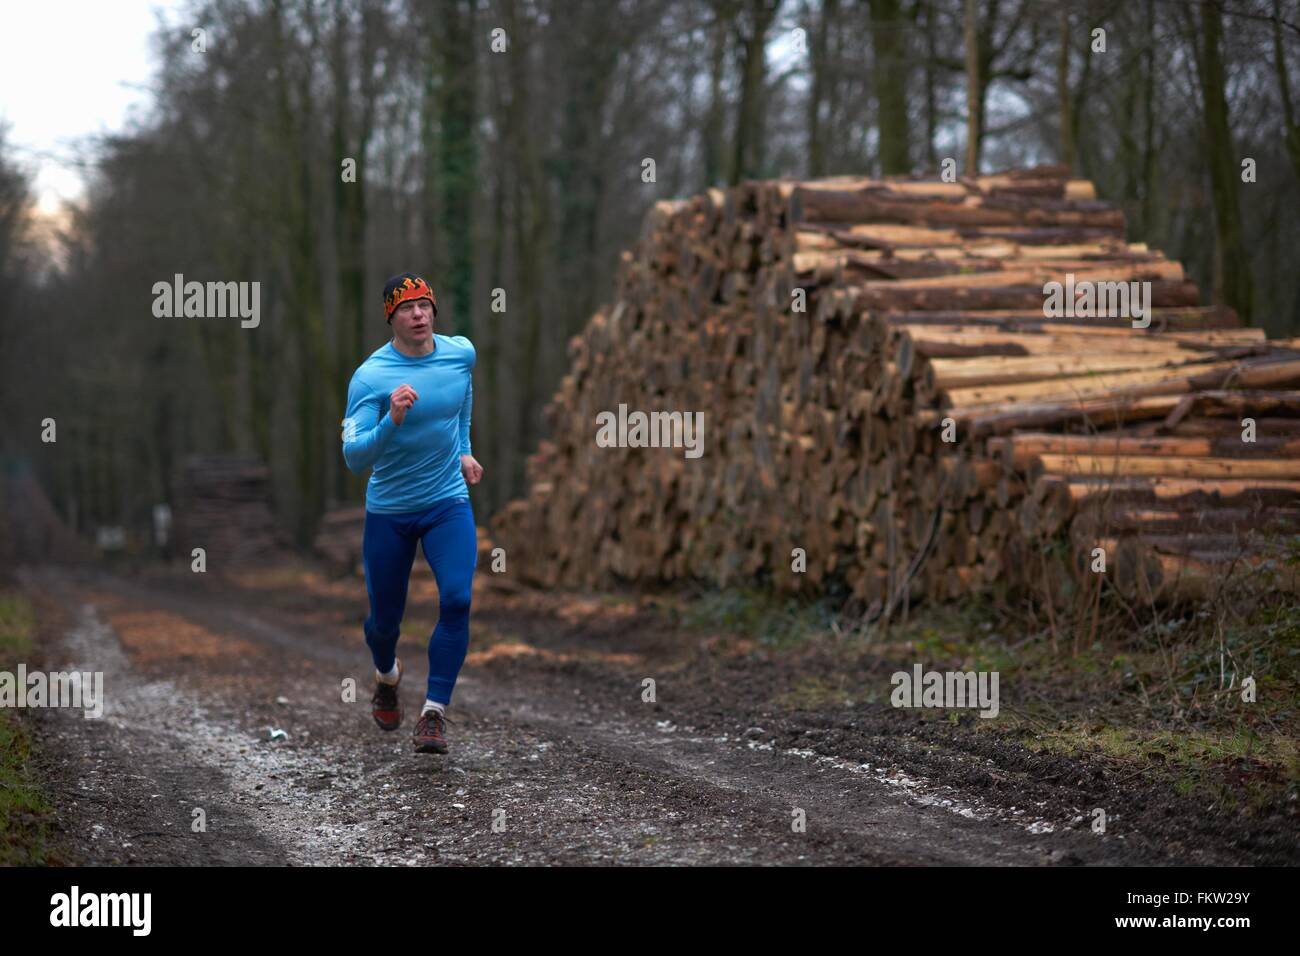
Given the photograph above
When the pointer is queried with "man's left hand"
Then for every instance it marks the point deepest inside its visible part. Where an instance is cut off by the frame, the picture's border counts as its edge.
(471, 469)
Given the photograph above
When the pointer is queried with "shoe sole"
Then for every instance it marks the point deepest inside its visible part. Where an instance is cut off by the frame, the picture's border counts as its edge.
(386, 726)
(429, 747)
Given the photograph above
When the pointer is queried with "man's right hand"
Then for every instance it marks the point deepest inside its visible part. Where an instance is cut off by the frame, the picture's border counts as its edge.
(402, 398)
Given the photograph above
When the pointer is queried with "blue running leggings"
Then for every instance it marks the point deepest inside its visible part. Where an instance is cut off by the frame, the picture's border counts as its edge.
(446, 531)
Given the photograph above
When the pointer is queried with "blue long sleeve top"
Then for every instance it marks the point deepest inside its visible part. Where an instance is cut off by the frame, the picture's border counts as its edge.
(418, 462)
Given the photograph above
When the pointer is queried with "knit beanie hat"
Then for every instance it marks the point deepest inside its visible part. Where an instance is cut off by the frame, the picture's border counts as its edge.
(405, 287)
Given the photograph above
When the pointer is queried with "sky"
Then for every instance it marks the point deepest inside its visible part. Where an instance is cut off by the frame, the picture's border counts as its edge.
(70, 69)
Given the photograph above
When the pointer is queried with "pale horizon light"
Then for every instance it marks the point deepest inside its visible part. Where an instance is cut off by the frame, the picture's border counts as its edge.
(70, 69)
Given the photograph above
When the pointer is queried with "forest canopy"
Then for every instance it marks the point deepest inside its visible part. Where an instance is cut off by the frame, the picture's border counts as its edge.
(500, 148)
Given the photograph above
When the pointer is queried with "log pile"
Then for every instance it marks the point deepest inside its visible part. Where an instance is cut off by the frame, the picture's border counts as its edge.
(339, 538)
(887, 398)
(224, 506)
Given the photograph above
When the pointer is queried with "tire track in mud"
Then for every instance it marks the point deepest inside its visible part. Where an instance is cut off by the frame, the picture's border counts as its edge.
(535, 776)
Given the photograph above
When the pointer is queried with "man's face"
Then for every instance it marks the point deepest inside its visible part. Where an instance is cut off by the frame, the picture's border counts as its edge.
(413, 320)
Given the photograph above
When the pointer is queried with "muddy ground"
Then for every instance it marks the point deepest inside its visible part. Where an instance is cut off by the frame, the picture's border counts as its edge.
(555, 758)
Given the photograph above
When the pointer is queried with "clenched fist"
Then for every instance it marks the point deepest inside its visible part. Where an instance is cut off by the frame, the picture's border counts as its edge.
(403, 397)
(471, 469)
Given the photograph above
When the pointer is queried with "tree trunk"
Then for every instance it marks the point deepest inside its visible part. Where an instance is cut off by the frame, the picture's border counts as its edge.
(578, 164)
(823, 76)
(1290, 126)
(931, 110)
(458, 157)
(714, 126)
(1146, 226)
(1063, 90)
(529, 297)
(753, 72)
(300, 233)
(1232, 273)
(889, 46)
(974, 95)
(351, 138)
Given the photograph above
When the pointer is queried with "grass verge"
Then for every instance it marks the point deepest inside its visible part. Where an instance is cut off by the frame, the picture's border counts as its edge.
(25, 813)
(1206, 702)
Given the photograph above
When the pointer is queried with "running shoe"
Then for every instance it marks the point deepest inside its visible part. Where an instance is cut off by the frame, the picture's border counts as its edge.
(386, 707)
(429, 730)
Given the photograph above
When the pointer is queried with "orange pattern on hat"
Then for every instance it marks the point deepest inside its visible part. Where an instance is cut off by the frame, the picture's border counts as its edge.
(408, 290)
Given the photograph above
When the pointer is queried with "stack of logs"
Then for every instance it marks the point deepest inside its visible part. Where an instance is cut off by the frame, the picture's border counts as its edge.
(339, 538)
(224, 506)
(887, 397)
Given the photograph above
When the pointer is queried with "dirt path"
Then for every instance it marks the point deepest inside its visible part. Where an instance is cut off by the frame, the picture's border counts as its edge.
(555, 756)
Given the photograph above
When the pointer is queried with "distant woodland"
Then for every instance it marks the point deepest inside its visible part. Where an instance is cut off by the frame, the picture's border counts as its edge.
(500, 149)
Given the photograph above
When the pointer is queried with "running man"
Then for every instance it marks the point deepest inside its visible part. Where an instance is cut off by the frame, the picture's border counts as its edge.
(408, 418)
